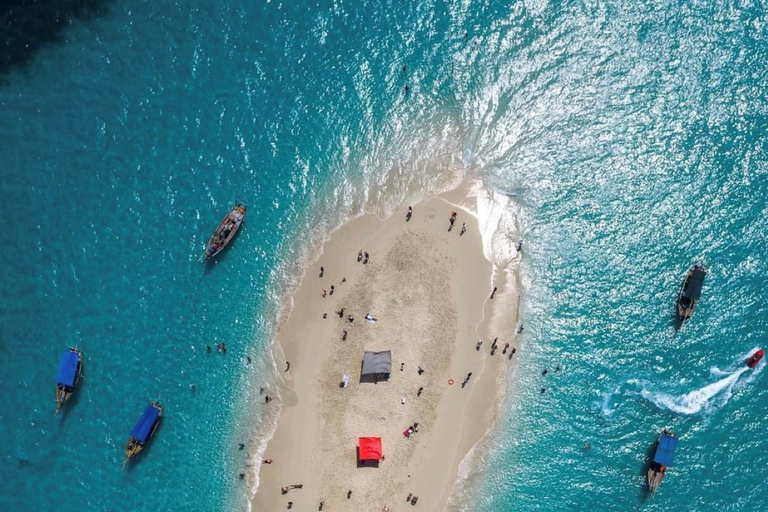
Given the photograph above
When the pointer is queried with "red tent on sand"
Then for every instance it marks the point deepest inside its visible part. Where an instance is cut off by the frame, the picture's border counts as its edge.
(370, 448)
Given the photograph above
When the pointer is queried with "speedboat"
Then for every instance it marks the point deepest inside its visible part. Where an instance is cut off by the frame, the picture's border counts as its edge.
(755, 358)
(690, 292)
(663, 453)
(226, 231)
(68, 376)
(145, 428)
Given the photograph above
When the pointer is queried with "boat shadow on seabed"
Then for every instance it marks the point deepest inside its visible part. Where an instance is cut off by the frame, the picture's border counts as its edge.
(645, 491)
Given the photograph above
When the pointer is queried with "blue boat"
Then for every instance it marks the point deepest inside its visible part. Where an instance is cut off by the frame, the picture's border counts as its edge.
(663, 454)
(68, 376)
(145, 428)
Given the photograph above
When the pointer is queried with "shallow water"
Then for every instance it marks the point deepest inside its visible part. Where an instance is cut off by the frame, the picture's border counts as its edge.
(632, 137)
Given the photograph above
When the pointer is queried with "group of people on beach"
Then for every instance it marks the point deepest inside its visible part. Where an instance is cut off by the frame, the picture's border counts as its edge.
(364, 257)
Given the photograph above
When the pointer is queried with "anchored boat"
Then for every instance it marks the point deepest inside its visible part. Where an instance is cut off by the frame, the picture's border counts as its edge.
(663, 454)
(755, 358)
(145, 428)
(690, 292)
(226, 231)
(68, 376)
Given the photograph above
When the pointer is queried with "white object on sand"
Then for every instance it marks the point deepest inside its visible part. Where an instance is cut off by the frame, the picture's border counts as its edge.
(344, 380)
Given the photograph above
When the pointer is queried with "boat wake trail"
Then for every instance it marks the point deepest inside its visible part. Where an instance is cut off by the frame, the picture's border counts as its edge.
(705, 398)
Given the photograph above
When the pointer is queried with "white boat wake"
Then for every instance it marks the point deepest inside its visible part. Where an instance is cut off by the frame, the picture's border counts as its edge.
(704, 398)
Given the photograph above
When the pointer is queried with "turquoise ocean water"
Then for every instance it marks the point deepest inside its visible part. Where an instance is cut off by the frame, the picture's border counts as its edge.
(632, 135)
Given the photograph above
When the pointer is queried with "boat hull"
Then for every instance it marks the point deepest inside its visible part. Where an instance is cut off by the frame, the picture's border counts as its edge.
(225, 232)
(755, 358)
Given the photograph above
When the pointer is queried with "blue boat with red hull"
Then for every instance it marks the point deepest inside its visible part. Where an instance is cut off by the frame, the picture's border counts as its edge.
(663, 453)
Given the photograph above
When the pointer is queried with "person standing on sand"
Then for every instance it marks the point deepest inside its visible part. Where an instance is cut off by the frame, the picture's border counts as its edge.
(418, 393)
(331, 292)
(324, 292)
(359, 255)
(322, 271)
(452, 220)
(494, 291)
(408, 215)
(349, 493)
(287, 365)
(463, 228)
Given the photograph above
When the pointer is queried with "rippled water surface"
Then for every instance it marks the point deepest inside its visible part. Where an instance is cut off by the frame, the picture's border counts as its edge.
(633, 136)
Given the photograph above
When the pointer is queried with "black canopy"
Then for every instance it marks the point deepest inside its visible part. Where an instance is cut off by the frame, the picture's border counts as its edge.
(692, 288)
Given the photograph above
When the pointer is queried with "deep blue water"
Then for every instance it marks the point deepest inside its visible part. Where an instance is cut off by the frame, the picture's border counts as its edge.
(633, 135)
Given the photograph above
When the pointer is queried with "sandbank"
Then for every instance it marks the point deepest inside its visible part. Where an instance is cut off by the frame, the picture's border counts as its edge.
(429, 289)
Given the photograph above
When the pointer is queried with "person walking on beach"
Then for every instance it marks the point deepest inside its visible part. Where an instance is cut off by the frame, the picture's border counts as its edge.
(408, 215)
(349, 493)
(421, 389)
(344, 335)
(466, 380)
(359, 255)
(452, 220)
(340, 313)
(324, 292)
(365, 258)
(479, 344)
(322, 271)
(463, 228)
(494, 291)
(331, 292)
(287, 365)
(520, 245)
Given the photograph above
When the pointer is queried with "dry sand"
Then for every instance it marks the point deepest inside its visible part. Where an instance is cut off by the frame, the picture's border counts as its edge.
(429, 289)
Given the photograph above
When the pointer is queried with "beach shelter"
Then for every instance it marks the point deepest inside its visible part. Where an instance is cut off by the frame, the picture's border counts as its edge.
(377, 363)
(369, 448)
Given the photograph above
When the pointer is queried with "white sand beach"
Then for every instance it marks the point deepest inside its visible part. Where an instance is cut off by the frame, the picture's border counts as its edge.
(429, 289)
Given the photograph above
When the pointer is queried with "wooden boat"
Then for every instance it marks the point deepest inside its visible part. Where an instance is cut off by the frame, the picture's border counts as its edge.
(663, 454)
(144, 429)
(226, 231)
(68, 376)
(690, 292)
